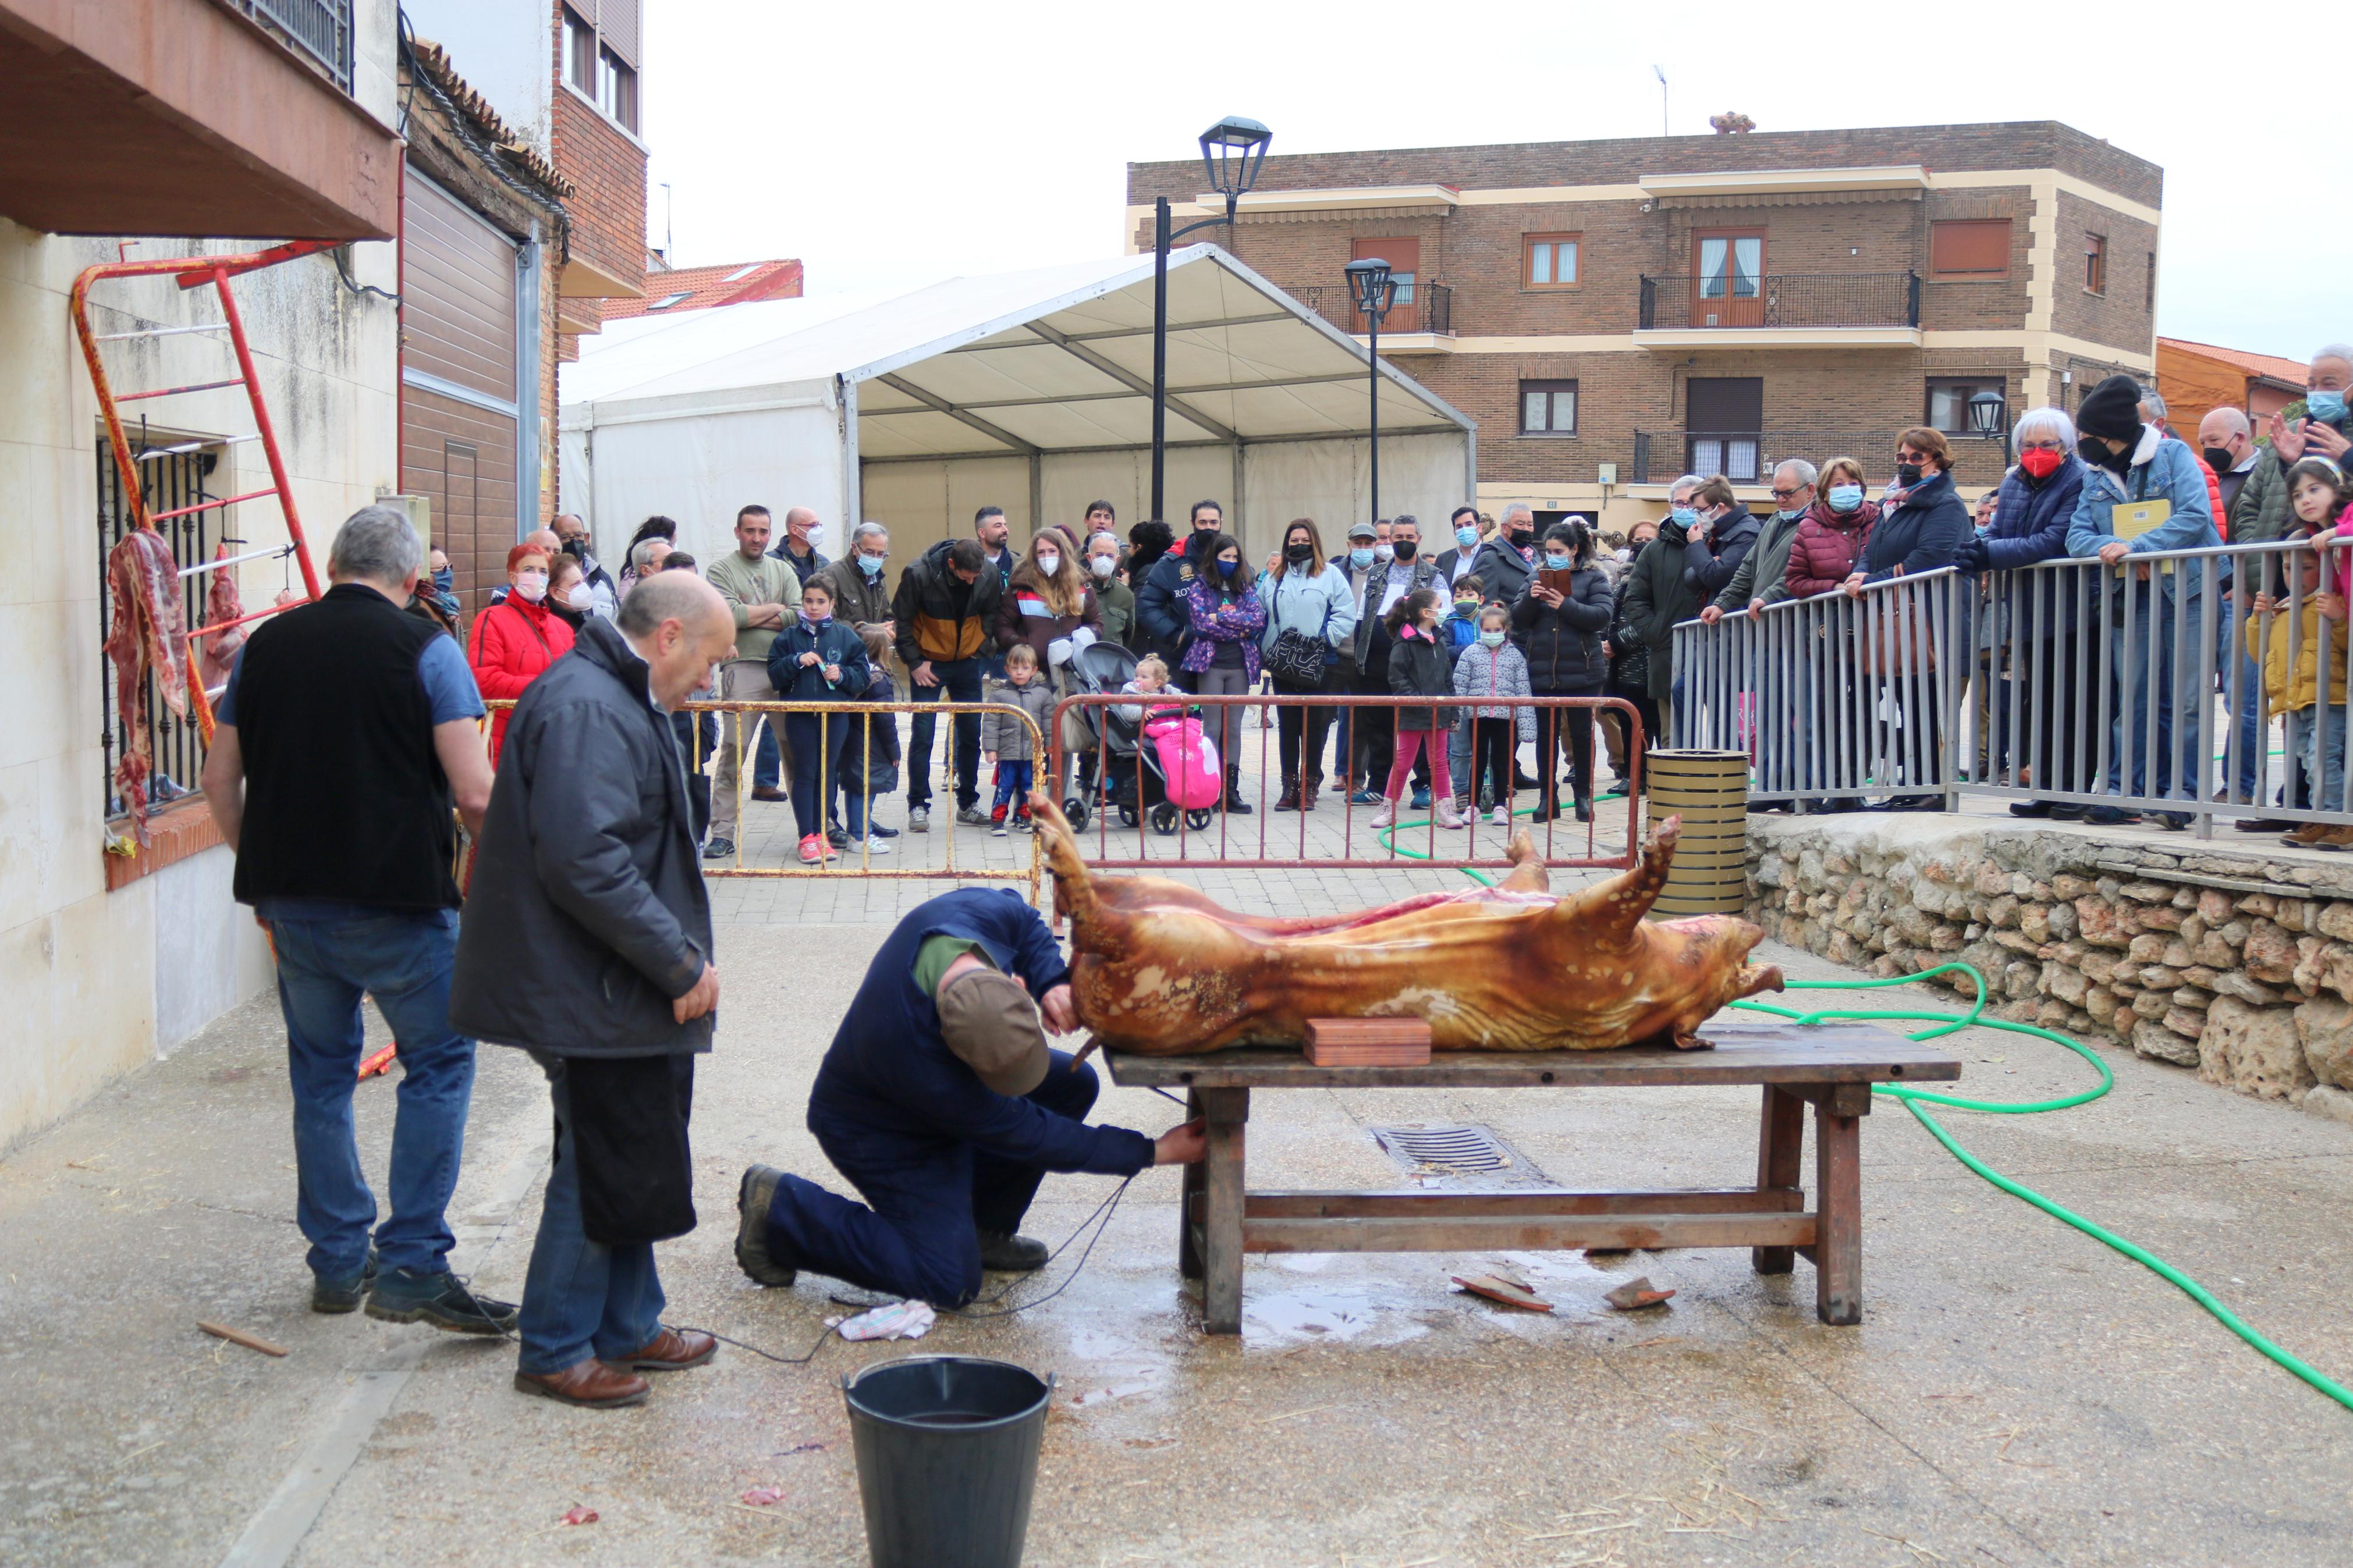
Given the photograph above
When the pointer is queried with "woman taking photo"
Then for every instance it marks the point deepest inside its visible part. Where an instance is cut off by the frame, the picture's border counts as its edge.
(1046, 601)
(1311, 625)
(517, 637)
(1223, 610)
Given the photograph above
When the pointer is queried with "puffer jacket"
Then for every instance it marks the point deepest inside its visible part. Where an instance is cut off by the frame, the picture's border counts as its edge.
(1827, 546)
(1924, 532)
(1481, 672)
(2161, 469)
(1418, 667)
(514, 641)
(2259, 511)
(1005, 734)
(1660, 592)
(2030, 519)
(835, 643)
(1563, 645)
(929, 625)
(2294, 690)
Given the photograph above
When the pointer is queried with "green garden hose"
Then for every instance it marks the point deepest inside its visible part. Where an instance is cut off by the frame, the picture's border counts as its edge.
(1916, 1099)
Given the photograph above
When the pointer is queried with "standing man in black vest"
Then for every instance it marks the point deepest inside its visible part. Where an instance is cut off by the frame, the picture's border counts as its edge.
(348, 731)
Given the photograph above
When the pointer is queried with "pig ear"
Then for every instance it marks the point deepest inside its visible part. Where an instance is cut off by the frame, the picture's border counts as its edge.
(1608, 911)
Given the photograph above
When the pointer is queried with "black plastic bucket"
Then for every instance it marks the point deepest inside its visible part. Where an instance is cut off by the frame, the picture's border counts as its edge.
(947, 1459)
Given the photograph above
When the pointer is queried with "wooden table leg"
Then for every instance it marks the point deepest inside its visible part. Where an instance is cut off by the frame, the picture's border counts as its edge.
(1221, 1218)
(1188, 1255)
(1838, 1204)
(1780, 1147)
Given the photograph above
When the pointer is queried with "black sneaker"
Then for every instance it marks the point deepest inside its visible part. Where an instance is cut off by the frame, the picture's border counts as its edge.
(754, 1195)
(1004, 1253)
(837, 835)
(719, 850)
(401, 1297)
(337, 1296)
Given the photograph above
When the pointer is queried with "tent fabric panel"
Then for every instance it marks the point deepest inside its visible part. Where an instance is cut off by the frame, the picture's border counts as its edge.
(700, 470)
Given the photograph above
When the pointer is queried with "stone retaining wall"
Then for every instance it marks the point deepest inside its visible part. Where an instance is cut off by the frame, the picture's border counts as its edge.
(2237, 964)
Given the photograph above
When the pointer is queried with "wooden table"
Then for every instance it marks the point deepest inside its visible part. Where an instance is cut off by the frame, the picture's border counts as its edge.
(1830, 1065)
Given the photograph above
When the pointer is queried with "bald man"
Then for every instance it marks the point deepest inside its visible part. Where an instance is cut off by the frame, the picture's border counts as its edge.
(587, 941)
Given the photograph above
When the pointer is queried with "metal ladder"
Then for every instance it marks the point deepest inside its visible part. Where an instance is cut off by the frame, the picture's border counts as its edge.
(197, 272)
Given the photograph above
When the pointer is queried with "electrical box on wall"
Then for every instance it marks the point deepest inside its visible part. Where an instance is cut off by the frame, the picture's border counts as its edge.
(1607, 473)
(418, 509)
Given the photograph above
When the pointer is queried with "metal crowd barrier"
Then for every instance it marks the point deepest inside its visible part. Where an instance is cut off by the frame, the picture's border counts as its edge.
(2070, 681)
(1267, 839)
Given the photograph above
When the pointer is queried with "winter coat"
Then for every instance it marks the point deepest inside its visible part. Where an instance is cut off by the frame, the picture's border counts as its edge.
(1630, 655)
(1503, 571)
(835, 643)
(2292, 693)
(804, 566)
(1484, 671)
(931, 627)
(513, 641)
(1160, 617)
(1371, 636)
(1025, 615)
(2030, 520)
(2260, 513)
(1662, 590)
(1710, 564)
(1827, 546)
(1116, 602)
(586, 915)
(2161, 469)
(1324, 606)
(1563, 646)
(1418, 668)
(1215, 617)
(1764, 570)
(1925, 532)
(864, 601)
(1008, 736)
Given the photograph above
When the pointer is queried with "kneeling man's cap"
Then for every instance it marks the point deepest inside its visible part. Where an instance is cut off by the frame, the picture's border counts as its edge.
(991, 1025)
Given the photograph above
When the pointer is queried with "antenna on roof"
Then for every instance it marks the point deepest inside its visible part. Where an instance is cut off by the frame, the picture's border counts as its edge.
(1661, 72)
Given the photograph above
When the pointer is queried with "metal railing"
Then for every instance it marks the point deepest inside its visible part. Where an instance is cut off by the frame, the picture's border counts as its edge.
(2075, 683)
(320, 29)
(1430, 310)
(1782, 300)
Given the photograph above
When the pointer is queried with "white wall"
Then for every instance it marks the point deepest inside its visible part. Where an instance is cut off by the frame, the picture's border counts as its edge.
(505, 49)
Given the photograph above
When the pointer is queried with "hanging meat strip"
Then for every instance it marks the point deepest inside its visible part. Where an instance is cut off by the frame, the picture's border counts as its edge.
(217, 653)
(144, 582)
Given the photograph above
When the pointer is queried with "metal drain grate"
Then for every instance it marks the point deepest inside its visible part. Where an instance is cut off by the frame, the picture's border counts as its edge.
(1465, 1155)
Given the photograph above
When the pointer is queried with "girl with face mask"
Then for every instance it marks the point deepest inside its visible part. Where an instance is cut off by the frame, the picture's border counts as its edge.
(517, 637)
(1226, 616)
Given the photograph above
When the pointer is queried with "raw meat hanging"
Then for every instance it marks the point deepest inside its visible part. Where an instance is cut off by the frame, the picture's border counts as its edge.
(217, 655)
(143, 583)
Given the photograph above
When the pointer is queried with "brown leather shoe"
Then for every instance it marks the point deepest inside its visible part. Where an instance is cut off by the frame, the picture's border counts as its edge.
(671, 1352)
(768, 792)
(590, 1383)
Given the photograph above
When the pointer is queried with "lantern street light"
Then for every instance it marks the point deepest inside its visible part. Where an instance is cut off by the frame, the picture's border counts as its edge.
(1233, 150)
(1374, 290)
(1988, 412)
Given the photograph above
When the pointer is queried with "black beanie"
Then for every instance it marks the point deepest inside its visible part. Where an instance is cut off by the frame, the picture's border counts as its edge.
(2112, 409)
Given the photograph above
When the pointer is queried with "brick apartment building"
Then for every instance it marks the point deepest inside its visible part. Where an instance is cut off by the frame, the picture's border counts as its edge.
(1615, 313)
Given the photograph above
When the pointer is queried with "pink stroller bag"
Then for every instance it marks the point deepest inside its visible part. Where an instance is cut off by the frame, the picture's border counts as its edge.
(1188, 761)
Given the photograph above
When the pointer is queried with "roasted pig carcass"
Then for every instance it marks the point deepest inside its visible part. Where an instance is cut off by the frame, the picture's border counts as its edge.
(1158, 968)
(143, 583)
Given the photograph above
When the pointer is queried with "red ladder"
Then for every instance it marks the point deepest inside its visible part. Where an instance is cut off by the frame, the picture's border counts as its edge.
(195, 272)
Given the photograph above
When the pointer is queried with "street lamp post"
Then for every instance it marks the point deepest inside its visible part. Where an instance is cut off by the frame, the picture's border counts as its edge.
(1233, 150)
(1374, 291)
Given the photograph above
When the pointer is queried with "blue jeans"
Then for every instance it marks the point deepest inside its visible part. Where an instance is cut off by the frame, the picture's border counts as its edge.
(2144, 683)
(581, 1297)
(403, 959)
(767, 767)
(930, 1195)
(2246, 697)
(2320, 747)
(819, 743)
(959, 681)
(1013, 784)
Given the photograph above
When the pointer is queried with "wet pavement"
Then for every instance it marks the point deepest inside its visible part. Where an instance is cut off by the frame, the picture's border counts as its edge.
(2016, 1394)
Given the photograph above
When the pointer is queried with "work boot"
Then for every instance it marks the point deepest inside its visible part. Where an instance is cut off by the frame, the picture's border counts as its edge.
(1309, 784)
(402, 1296)
(1004, 1253)
(1234, 801)
(754, 1195)
(1289, 799)
(589, 1384)
(671, 1351)
(334, 1296)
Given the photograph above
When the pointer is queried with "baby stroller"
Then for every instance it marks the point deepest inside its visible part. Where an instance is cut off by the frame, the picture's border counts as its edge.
(1120, 767)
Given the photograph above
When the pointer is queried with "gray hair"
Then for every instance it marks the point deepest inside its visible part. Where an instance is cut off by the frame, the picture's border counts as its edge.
(642, 555)
(870, 530)
(1805, 471)
(2334, 350)
(2152, 402)
(2044, 423)
(1688, 482)
(377, 543)
(664, 596)
(1518, 508)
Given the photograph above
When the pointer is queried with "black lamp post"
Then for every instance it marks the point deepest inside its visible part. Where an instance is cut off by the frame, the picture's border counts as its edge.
(1233, 150)
(1988, 412)
(1375, 291)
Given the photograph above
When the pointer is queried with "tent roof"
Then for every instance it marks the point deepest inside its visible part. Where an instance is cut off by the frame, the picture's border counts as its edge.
(1056, 359)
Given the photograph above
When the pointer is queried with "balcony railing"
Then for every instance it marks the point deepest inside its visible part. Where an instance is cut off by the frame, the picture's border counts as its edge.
(1748, 457)
(318, 28)
(1782, 300)
(1430, 310)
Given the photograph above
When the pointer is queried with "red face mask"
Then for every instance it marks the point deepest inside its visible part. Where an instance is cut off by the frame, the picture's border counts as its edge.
(2041, 462)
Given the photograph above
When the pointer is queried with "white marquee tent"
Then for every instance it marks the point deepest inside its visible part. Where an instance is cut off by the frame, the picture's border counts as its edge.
(1029, 390)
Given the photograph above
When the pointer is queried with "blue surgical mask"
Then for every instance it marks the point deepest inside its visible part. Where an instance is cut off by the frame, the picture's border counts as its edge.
(1466, 537)
(1360, 559)
(1845, 498)
(871, 565)
(1555, 563)
(2328, 407)
(1684, 515)
(446, 579)
(1786, 513)
(1491, 640)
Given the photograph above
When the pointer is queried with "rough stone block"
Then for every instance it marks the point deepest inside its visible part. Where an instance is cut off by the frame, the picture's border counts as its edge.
(2051, 1013)
(2159, 977)
(2098, 924)
(2098, 967)
(2262, 904)
(2160, 917)
(2199, 975)
(2191, 997)
(2161, 1044)
(2081, 1022)
(2018, 942)
(2070, 887)
(2324, 1027)
(2099, 1003)
(2270, 953)
(2213, 951)
(2022, 980)
(2234, 983)
(2182, 1021)
(1937, 897)
(1810, 871)
(2334, 1103)
(1991, 880)
(2257, 1051)
(2152, 1003)
(2067, 984)
(1911, 923)
(2294, 915)
(2034, 920)
(2146, 948)
(2335, 920)
(1945, 938)
(2234, 932)
(2194, 929)
(2146, 892)
(2001, 911)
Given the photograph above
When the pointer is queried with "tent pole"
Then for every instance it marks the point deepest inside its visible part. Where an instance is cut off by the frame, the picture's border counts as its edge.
(1159, 355)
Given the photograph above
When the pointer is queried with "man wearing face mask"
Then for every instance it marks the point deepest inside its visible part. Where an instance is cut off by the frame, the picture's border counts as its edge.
(1718, 534)
(1117, 599)
(1454, 563)
(1504, 563)
(862, 591)
(2227, 441)
(604, 597)
(2319, 427)
(1400, 571)
(1160, 616)
(1757, 581)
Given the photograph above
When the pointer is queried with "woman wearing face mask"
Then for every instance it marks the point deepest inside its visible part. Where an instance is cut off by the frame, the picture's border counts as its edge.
(1225, 617)
(1831, 538)
(1564, 633)
(517, 637)
(1051, 606)
(1662, 589)
(569, 597)
(1311, 614)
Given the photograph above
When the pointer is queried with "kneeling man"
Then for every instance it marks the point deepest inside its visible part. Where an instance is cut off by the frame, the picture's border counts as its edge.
(941, 1101)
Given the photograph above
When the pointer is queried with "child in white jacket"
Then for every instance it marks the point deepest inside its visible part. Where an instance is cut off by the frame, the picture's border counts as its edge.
(1491, 669)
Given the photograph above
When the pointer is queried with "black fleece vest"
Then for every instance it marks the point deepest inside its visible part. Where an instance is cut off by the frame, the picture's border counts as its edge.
(345, 796)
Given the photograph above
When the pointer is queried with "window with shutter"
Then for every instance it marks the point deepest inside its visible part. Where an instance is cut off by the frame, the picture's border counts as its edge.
(1969, 247)
(620, 28)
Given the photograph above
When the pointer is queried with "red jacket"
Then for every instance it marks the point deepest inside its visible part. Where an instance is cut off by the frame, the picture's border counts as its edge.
(513, 641)
(1828, 548)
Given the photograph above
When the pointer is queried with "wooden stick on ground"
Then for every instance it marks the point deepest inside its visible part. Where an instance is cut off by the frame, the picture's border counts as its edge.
(239, 1337)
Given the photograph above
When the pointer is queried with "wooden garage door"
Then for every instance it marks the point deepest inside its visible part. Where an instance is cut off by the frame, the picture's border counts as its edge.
(458, 374)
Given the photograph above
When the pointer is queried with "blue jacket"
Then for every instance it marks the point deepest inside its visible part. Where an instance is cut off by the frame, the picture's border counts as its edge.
(2162, 469)
(1160, 615)
(836, 643)
(1923, 533)
(1322, 605)
(889, 1074)
(2030, 521)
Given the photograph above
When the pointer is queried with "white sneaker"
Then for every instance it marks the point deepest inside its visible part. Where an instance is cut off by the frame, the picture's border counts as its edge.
(1386, 816)
(1501, 817)
(871, 845)
(1449, 818)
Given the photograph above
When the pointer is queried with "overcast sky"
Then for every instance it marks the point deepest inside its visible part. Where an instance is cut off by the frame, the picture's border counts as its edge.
(903, 144)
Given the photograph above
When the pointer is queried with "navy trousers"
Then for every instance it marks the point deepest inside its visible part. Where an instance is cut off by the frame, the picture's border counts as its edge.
(929, 1197)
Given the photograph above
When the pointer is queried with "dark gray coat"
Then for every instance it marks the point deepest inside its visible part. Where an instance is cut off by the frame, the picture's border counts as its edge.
(587, 914)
